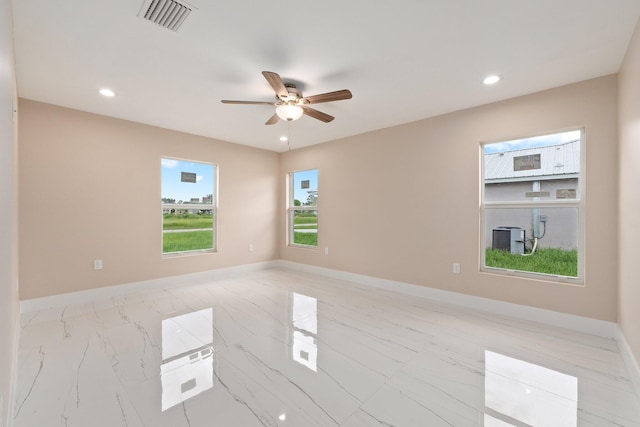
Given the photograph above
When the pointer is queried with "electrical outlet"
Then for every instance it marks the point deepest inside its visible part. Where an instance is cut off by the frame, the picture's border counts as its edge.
(326, 251)
(251, 247)
(456, 268)
(97, 264)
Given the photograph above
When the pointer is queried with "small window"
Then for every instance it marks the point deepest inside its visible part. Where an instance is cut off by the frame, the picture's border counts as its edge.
(532, 206)
(188, 206)
(303, 208)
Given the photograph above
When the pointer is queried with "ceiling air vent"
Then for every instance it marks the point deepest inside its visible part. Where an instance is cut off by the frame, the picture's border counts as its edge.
(166, 13)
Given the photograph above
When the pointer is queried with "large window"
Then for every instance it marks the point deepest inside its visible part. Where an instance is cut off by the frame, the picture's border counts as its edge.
(303, 208)
(532, 206)
(188, 206)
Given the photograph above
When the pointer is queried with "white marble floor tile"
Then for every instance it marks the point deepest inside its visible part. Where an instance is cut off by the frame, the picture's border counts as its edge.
(284, 348)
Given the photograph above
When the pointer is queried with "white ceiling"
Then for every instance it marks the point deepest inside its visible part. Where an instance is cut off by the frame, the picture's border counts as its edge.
(403, 60)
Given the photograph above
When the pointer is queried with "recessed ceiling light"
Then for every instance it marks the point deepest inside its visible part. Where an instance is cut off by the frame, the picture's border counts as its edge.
(492, 79)
(284, 139)
(107, 92)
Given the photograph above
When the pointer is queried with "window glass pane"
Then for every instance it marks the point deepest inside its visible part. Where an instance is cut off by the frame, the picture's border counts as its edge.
(303, 215)
(305, 227)
(305, 188)
(541, 240)
(528, 173)
(187, 206)
(539, 168)
(182, 241)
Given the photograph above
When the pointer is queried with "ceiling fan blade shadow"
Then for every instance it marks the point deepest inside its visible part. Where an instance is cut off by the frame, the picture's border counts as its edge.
(227, 101)
(272, 120)
(319, 115)
(328, 97)
(276, 83)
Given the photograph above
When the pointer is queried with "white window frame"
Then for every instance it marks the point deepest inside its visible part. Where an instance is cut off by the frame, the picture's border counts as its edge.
(578, 203)
(213, 206)
(291, 209)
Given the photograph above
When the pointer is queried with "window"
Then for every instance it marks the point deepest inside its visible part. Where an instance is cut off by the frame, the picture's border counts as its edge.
(303, 208)
(188, 206)
(532, 206)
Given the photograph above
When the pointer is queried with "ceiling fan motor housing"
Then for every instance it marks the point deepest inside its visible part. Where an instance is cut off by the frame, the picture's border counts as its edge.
(294, 93)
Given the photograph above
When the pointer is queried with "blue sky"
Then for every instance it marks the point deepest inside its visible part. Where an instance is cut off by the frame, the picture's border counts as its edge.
(173, 188)
(302, 193)
(538, 141)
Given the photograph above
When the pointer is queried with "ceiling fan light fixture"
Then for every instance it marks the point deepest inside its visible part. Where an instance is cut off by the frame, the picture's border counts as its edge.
(289, 112)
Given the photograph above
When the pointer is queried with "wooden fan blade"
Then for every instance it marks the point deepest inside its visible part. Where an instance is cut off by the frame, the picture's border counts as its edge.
(276, 83)
(226, 101)
(327, 97)
(323, 117)
(273, 120)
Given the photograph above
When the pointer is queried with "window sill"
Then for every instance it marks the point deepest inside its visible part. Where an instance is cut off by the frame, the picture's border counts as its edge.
(538, 277)
(188, 253)
(297, 245)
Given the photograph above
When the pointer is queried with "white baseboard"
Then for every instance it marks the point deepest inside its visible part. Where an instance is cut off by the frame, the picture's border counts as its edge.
(14, 375)
(79, 297)
(548, 317)
(577, 323)
(629, 360)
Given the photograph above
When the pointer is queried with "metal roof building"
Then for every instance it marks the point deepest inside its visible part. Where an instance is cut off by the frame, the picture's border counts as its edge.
(555, 162)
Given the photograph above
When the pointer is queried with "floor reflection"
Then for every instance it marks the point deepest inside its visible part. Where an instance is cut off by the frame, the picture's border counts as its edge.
(187, 356)
(304, 342)
(522, 392)
(490, 421)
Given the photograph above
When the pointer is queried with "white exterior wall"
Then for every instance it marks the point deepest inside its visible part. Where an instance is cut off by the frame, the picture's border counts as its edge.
(561, 225)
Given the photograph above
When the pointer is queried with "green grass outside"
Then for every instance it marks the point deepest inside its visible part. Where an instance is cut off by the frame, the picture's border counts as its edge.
(548, 260)
(186, 221)
(309, 239)
(187, 241)
(305, 219)
(308, 227)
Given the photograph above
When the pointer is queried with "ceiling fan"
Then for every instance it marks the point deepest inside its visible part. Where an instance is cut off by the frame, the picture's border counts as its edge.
(290, 104)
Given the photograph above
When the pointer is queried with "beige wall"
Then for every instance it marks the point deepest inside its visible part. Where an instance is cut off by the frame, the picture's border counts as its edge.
(402, 203)
(629, 227)
(9, 211)
(90, 189)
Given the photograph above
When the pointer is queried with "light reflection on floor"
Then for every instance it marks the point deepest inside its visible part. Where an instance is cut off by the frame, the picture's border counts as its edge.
(187, 356)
